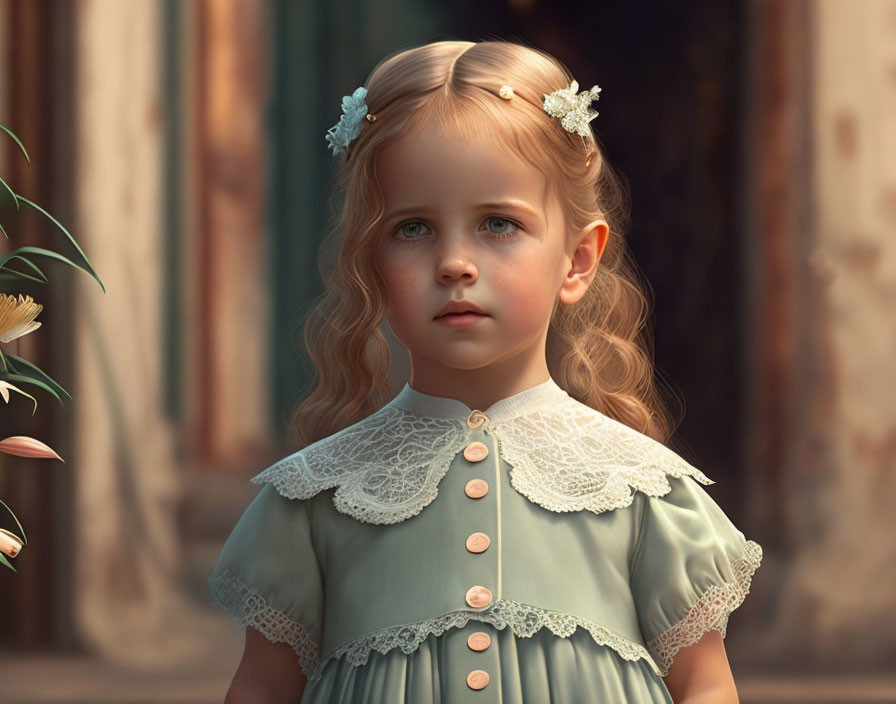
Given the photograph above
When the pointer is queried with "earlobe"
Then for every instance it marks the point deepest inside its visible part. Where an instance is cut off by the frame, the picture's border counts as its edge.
(592, 241)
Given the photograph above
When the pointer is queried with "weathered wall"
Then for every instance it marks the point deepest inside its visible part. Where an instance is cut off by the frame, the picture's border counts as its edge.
(128, 596)
(827, 288)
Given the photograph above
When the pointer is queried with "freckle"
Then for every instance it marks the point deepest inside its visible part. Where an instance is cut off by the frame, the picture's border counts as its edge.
(846, 134)
(888, 202)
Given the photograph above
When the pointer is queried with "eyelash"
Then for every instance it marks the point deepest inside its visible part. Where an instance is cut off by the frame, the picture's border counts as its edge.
(496, 235)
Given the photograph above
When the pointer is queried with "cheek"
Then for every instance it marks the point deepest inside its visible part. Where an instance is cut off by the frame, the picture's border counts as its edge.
(402, 289)
(399, 279)
(525, 289)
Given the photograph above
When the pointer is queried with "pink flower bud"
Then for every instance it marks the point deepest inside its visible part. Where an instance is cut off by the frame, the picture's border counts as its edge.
(10, 544)
(23, 446)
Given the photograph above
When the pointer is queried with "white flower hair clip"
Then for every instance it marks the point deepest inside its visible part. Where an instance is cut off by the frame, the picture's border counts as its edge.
(573, 109)
(354, 110)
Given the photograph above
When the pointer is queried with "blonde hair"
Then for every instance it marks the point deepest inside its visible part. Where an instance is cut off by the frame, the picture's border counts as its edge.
(598, 349)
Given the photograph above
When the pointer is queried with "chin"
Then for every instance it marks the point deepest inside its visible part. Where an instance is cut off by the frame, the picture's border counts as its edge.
(459, 361)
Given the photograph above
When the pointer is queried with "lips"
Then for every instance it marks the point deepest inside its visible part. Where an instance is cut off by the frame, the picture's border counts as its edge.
(459, 308)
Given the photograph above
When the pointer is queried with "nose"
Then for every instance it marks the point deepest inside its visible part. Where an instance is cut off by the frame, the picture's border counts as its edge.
(455, 262)
(451, 269)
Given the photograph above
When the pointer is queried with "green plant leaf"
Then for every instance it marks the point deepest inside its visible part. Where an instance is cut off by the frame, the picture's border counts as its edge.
(89, 267)
(13, 272)
(43, 252)
(12, 193)
(24, 537)
(7, 376)
(18, 141)
(20, 365)
(6, 562)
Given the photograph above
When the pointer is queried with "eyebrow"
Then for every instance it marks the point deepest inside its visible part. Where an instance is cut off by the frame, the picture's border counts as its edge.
(504, 205)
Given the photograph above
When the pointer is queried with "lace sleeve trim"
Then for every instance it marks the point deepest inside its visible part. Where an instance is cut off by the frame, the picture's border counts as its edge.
(523, 619)
(249, 608)
(710, 612)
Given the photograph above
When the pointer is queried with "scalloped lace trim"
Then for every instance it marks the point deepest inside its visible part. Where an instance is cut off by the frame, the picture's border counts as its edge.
(565, 456)
(710, 612)
(569, 459)
(524, 620)
(249, 608)
(387, 467)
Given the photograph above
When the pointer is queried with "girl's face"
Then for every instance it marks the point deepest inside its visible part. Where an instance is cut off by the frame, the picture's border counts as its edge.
(472, 222)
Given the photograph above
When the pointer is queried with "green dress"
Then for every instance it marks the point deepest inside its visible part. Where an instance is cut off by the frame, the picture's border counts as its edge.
(538, 551)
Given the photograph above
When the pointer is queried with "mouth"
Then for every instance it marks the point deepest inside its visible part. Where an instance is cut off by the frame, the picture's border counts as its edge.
(466, 312)
(460, 320)
(460, 308)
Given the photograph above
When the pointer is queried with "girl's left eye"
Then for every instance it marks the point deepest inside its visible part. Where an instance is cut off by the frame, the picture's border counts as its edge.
(509, 222)
(504, 234)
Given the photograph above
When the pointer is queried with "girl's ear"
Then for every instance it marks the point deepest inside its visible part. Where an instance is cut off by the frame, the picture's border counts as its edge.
(582, 267)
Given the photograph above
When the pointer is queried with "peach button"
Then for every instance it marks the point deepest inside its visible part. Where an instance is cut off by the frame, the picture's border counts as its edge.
(478, 542)
(478, 596)
(475, 451)
(479, 640)
(476, 488)
(477, 679)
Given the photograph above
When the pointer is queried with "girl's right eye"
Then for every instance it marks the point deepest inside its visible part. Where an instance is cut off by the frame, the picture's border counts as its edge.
(411, 228)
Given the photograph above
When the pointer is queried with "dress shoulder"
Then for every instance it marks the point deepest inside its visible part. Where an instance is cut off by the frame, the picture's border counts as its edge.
(268, 575)
(690, 569)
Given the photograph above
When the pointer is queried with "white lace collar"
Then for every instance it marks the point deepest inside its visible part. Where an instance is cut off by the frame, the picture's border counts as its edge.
(563, 455)
(532, 399)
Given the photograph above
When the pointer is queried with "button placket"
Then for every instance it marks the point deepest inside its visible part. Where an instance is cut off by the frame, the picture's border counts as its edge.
(477, 596)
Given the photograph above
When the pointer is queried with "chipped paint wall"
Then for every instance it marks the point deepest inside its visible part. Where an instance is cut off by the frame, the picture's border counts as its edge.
(835, 595)
(850, 571)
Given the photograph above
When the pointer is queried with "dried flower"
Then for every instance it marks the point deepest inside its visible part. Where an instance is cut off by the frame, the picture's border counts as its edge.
(17, 316)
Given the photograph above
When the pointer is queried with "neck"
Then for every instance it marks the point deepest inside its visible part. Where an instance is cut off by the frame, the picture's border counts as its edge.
(478, 388)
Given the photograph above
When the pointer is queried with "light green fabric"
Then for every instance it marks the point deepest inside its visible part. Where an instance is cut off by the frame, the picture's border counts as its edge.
(691, 567)
(540, 669)
(267, 575)
(328, 580)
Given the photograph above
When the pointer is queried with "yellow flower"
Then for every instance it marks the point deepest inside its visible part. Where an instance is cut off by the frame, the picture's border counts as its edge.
(17, 316)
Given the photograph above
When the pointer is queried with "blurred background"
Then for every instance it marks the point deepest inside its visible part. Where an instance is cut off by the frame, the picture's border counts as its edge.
(182, 144)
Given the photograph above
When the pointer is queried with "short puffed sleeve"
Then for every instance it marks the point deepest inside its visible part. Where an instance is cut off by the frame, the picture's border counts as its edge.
(690, 568)
(267, 575)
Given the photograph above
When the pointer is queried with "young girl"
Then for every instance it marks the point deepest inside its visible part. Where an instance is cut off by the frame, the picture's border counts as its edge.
(511, 526)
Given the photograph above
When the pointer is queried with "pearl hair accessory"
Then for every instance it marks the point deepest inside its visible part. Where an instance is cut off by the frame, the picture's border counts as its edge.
(567, 104)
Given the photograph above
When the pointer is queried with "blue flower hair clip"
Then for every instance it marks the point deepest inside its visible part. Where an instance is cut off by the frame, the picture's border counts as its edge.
(354, 110)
